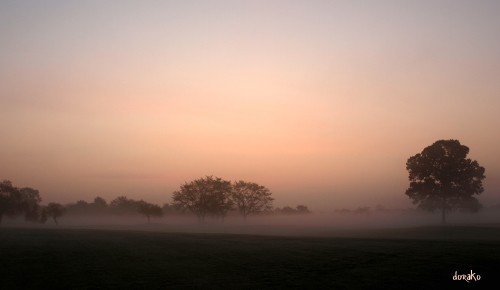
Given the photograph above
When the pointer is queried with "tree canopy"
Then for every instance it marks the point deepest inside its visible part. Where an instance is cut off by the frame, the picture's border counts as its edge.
(53, 210)
(209, 196)
(251, 198)
(15, 201)
(149, 210)
(124, 205)
(9, 198)
(442, 177)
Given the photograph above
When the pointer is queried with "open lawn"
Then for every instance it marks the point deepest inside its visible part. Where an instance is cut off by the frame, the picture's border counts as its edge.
(413, 258)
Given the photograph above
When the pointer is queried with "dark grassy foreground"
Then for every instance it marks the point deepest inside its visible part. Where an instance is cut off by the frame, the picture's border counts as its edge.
(102, 259)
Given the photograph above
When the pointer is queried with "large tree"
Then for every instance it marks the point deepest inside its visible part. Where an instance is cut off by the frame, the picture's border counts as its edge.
(442, 177)
(209, 196)
(251, 198)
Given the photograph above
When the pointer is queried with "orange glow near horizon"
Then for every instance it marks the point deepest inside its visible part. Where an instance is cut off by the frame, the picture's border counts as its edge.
(321, 102)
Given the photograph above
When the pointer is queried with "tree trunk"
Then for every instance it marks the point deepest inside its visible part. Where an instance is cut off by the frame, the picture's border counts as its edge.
(1, 216)
(55, 220)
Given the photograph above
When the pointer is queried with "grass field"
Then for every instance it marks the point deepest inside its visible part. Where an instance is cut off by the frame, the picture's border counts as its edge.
(414, 258)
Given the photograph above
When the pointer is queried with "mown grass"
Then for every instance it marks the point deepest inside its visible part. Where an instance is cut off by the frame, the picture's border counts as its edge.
(106, 259)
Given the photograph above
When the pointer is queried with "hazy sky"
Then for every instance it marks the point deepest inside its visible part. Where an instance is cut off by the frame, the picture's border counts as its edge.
(321, 101)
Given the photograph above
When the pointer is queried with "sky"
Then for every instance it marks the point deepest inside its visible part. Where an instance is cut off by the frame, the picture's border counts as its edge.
(322, 102)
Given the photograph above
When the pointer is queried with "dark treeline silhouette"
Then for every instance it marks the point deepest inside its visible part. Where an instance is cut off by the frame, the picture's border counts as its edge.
(118, 206)
(366, 210)
(26, 201)
(441, 178)
(300, 209)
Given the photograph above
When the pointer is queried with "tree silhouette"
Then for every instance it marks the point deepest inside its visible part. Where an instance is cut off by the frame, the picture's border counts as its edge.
(302, 209)
(441, 177)
(298, 210)
(15, 201)
(150, 210)
(100, 203)
(204, 196)
(123, 205)
(30, 203)
(10, 199)
(53, 210)
(251, 198)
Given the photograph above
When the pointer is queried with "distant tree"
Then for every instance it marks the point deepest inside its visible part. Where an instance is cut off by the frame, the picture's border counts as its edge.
(150, 210)
(99, 206)
(100, 202)
(204, 197)
(123, 205)
(288, 210)
(80, 207)
(53, 210)
(14, 201)
(30, 203)
(441, 177)
(10, 199)
(251, 198)
(302, 209)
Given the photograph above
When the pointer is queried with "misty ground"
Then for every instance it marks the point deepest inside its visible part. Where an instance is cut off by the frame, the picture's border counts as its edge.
(319, 251)
(385, 250)
(316, 224)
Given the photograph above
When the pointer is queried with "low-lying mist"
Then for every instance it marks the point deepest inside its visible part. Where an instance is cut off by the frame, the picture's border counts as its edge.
(313, 224)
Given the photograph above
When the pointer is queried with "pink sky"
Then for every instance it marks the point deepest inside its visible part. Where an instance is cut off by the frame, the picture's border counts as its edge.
(321, 101)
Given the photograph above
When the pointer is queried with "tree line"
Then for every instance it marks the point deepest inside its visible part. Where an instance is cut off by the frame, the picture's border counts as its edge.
(204, 197)
(441, 178)
(26, 201)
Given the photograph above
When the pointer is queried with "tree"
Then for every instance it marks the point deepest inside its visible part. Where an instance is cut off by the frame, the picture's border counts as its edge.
(251, 198)
(99, 206)
(302, 209)
(123, 205)
(298, 210)
(150, 210)
(10, 199)
(15, 201)
(287, 210)
(30, 203)
(80, 207)
(53, 210)
(100, 203)
(204, 196)
(441, 177)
